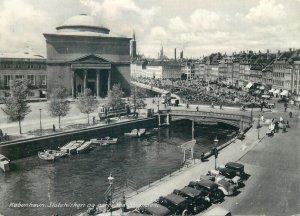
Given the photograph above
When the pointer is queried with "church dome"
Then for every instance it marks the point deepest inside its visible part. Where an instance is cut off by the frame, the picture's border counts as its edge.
(83, 23)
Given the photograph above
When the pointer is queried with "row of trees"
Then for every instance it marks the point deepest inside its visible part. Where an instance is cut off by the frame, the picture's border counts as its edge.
(16, 107)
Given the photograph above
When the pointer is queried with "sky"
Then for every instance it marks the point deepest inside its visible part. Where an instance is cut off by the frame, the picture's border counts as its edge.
(198, 27)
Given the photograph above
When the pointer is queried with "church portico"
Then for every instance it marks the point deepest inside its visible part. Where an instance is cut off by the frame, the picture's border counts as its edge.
(97, 80)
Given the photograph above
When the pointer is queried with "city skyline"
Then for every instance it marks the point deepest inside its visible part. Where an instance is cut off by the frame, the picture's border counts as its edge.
(197, 27)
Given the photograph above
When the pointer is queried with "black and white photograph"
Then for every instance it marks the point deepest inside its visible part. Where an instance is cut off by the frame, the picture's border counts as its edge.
(149, 107)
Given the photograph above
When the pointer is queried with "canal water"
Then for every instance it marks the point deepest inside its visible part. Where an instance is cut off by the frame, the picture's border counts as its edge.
(82, 179)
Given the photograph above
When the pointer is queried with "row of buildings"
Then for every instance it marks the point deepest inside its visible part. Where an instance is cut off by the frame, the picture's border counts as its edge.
(278, 70)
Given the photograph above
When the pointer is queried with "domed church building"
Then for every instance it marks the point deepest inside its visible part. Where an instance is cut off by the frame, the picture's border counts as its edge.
(83, 54)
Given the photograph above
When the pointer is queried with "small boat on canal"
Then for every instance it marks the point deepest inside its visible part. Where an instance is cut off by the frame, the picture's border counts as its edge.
(141, 132)
(136, 133)
(133, 133)
(105, 140)
(4, 163)
(85, 147)
(51, 155)
(72, 146)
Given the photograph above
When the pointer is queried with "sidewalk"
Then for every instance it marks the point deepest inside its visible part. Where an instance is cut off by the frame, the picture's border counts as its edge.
(181, 178)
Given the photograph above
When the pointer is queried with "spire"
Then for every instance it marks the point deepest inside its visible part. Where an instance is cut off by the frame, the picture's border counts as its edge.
(133, 35)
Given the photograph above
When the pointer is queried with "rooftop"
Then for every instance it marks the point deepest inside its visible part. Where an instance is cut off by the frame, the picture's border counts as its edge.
(27, 54)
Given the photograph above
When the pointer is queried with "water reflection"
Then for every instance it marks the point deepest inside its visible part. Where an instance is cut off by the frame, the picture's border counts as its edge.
(83, 178)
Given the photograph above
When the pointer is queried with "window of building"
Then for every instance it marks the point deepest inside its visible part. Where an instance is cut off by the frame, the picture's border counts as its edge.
(19, 77)
(7, 80)
(43, 80)
(31, 80)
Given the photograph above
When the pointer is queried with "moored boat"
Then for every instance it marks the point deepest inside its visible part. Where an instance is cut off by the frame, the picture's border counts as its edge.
(141, 132)
(4, 163)
(72, 146)
(46, 156)
(85, 147)
(133, 133)
(107, 140)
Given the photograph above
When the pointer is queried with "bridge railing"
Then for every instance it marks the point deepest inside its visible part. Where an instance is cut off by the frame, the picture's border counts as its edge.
(209, 114)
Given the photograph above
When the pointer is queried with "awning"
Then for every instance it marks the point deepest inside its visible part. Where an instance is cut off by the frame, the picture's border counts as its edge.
(272, 90)
(249, 85)
(265, 96)
(284, 93)
(276, 91)
(262, 88)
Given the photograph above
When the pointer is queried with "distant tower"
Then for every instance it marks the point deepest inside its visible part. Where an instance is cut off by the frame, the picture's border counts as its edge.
(175, 54)
(181, 54)
(161, 52)
(133, 47)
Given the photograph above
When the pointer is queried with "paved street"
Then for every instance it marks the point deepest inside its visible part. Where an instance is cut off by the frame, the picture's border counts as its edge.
(274, 185)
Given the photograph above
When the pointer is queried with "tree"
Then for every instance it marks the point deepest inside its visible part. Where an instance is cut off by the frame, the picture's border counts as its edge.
(16, 106)
(87, 103)
(115, 97)
(59, 106)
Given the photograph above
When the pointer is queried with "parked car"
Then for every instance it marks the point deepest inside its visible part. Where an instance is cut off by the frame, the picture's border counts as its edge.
(217, 211)
(238, 167)
(154, 209)
(235, 179)
(230, 174)
(215, 194)
(199, 199)
(175, 203)
(227, 186)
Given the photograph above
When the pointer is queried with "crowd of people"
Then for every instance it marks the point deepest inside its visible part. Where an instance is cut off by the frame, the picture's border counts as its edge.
(197, 91)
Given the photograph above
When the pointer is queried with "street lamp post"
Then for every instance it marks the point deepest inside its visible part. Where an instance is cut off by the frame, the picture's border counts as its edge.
(41, 120)
(111, 181)
(158, 103)
(216, 141)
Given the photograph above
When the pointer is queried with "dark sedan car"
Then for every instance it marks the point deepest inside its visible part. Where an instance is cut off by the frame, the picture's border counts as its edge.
(215, 194)
(237, 167)
(175, 203)
(198, 199)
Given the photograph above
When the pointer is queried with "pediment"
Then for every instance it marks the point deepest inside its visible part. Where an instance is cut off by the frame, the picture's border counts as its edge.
(90, 59)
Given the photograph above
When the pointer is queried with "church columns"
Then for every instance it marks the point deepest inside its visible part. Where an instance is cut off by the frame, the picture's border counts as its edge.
(109, 81)
(84, 79)
(98, 83)
(73, 84)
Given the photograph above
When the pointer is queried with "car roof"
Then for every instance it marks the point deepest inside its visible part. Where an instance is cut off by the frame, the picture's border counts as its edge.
(192, 192)
(217, 211)
(235, 165)
(157, 209)
(175, 198)
(207, 183)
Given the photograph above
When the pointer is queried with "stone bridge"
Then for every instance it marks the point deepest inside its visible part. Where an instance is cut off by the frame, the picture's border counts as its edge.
(243, 122)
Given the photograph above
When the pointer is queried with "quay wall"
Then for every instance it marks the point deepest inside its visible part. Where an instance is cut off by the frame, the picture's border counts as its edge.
(28, 147)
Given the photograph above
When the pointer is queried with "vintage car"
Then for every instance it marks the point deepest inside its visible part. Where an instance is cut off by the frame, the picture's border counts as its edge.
(227, 186)
(198, 199)
(217, 211)
(228, 176)
(175, 203)
(154, 209)
(215, 194)
(239, 168)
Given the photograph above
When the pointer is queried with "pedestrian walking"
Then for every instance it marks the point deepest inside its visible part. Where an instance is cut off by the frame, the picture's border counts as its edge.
(53, 127)
(197, 108)
(221, 106)
(291, 114)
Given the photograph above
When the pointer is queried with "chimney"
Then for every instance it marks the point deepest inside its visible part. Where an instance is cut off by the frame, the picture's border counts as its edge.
(175, 54)
(278, 54)
(268, 51)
